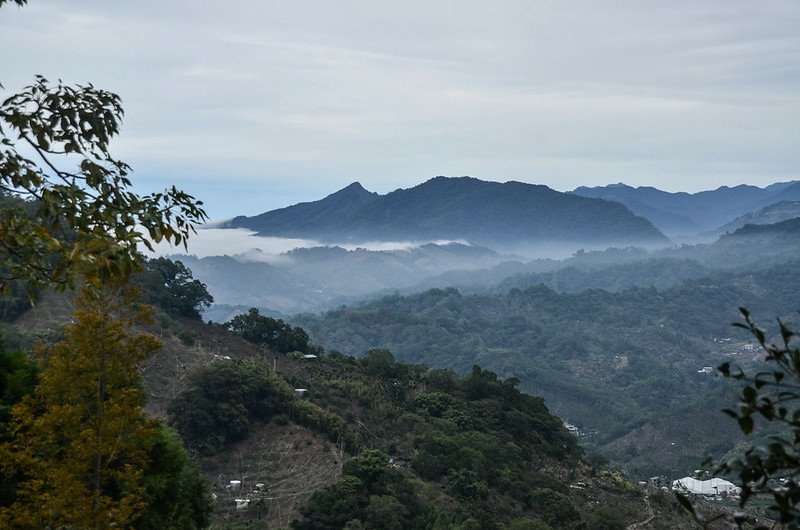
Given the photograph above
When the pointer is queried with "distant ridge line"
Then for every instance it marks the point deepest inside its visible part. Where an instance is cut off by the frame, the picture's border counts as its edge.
(494, 214)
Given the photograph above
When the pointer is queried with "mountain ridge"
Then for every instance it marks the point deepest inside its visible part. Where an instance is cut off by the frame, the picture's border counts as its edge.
(485, 213)
(774, 213)
(682, 213)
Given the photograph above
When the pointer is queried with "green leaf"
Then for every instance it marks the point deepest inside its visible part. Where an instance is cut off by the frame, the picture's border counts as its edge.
(746, 424)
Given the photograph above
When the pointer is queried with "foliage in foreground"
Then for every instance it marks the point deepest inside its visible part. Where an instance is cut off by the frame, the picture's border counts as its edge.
(772, 396)
(175, 491)
(87, 222)
(78, 443)
(78, 451)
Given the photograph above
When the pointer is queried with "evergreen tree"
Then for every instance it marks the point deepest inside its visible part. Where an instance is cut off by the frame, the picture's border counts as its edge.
(80, 442)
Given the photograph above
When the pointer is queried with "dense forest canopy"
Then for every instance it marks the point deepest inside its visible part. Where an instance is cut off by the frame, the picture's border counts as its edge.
(612, 363)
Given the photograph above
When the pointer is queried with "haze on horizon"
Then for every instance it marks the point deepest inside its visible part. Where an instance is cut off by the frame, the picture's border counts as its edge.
(254, 106)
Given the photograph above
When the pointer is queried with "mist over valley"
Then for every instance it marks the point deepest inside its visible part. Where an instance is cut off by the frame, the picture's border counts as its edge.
(415, 265)
(612, 338)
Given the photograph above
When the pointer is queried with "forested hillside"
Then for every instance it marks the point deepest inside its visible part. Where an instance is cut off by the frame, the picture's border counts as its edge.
(614, 364)
(373, 441)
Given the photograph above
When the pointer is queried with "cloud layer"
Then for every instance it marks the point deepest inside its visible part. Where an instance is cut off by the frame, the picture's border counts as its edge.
(245, 245)
(256, 105)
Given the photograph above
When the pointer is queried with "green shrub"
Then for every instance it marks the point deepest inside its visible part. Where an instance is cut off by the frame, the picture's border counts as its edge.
(221, 400)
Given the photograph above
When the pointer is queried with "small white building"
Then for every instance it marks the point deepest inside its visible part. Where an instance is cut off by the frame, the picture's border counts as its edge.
(712, 487)
(571, 428)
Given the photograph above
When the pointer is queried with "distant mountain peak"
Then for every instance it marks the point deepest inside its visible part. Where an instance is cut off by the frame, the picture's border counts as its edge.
(337, 205)
(354, 189)
(355, 186)
(592, 189)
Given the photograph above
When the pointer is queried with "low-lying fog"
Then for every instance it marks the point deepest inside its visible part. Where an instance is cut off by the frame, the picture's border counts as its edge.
(289, 275)
(286, 275)
(245, 245)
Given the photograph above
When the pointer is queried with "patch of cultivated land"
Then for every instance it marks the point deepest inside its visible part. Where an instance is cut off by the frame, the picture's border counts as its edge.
(290, 461)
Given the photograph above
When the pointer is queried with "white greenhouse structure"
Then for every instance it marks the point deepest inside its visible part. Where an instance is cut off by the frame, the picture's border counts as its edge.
(712, 487)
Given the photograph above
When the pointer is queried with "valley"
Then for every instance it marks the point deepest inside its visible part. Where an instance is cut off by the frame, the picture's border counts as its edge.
(620, 344)
(617, 341)
(399, 266)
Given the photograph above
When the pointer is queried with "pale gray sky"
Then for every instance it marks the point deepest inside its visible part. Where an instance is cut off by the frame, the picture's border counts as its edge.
(253, 105)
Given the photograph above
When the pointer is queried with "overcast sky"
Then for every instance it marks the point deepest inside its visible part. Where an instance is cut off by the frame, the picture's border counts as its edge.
(253, 105)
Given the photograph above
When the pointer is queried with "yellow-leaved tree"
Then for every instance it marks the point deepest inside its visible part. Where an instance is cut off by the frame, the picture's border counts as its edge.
(79, 449)
(79, 443)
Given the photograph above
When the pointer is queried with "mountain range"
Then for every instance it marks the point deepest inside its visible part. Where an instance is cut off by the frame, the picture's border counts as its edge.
(503, 216)
(688, 214)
